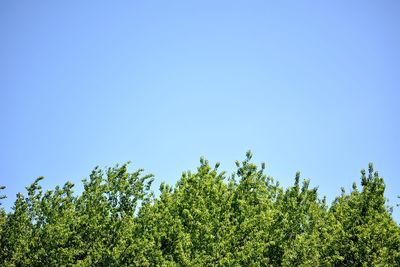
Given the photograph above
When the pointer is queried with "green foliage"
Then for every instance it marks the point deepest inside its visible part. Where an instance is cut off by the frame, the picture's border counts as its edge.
(207, 219)
(370, 236)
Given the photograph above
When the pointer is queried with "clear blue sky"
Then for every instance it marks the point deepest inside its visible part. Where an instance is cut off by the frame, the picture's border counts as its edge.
(310, 87)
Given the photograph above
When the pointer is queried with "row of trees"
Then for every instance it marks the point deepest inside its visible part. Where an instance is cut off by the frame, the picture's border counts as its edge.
(207, 219)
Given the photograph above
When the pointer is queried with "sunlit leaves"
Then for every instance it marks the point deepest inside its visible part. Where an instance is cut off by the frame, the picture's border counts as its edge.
(208, 218)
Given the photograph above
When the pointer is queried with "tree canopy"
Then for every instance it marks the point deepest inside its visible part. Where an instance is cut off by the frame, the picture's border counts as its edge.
(209, 218)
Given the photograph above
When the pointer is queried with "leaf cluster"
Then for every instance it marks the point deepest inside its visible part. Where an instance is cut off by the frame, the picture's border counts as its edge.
(207, 219)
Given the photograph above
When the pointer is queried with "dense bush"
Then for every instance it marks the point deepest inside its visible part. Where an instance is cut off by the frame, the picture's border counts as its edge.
(206, 219)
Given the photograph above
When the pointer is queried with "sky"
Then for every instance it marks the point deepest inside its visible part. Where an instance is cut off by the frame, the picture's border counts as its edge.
(309, 86)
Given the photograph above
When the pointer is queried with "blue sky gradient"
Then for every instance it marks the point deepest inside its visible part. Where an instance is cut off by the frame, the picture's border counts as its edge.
(310, 87)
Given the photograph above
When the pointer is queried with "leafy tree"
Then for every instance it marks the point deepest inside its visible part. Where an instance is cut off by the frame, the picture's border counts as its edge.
(105, 213)
(253, 214)
(207, 219)
(370, 237)
(16, 235)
